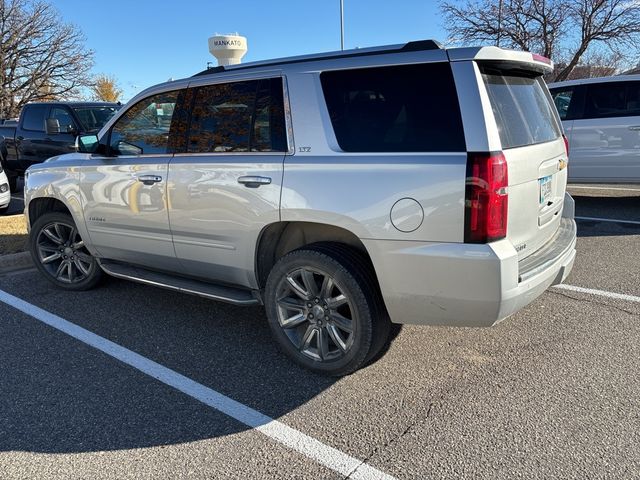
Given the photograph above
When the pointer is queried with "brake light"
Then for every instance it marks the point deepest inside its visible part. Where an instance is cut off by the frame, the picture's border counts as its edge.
(566, 144)
(540, 58)
(486, 198)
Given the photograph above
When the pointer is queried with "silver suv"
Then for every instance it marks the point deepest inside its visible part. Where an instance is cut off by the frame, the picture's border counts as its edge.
(344, 191)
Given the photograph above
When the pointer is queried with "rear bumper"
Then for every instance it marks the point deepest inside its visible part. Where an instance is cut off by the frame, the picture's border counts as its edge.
(466, 284)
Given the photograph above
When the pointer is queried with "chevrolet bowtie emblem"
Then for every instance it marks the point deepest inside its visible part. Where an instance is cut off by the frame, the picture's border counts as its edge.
(562, 164)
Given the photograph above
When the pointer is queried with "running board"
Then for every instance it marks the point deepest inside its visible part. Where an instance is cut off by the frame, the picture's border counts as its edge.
(222, 293)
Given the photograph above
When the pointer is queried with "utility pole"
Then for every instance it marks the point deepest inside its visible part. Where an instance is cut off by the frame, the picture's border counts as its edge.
(341, 24)
(499, 23)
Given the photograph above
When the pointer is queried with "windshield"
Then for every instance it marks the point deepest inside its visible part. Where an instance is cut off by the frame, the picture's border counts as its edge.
(523, 112)
(93, 119)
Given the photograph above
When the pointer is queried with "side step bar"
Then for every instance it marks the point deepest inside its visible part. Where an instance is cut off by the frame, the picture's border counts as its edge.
(222, 293)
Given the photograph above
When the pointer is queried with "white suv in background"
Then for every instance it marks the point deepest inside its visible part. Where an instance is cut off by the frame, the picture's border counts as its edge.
(5, 193)
(344, 191)
(601, 118)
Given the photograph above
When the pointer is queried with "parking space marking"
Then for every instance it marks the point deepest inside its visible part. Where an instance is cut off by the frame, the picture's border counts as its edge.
(611, 220)
(602, 293)
(323, 454)
(585, 187)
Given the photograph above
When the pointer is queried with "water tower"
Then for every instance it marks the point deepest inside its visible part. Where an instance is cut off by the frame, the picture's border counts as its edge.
(228, 49)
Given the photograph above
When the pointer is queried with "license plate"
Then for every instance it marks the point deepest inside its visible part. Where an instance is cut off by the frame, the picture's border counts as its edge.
(545, 189)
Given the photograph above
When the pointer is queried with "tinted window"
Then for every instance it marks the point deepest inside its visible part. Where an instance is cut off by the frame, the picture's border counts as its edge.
(33, 117)
(523, 113)
(145, 127)
(562, 101)
(408, 108)
(64, 118)
(612, 99)
(238, 117)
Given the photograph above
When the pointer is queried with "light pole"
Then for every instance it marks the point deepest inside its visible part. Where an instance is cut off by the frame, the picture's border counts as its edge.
(341, 24)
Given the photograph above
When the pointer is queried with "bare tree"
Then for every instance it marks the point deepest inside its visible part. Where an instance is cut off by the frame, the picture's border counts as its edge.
(41, 57)
(561, 30)
(105, 88)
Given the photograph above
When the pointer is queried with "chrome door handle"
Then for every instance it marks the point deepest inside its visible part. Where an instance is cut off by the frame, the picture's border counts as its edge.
(149, 179)
(251, 181)
(634, 127)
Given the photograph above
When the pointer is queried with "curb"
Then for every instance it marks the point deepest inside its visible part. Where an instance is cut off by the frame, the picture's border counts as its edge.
(15, 261)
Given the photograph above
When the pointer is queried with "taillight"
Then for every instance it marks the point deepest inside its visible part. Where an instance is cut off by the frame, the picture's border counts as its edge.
(566, 144)
(486, 198)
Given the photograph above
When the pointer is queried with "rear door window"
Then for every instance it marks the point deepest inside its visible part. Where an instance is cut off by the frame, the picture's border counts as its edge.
(405, 108)
(522, 110)
(238, 117)
(34, 117)
(612, 99)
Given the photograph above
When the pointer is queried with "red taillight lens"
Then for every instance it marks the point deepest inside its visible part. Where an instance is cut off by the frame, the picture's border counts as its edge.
(566, 144)
(486, 198)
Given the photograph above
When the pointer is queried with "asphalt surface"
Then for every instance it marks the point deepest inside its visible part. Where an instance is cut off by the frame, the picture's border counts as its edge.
(16, 205)
(551, 392)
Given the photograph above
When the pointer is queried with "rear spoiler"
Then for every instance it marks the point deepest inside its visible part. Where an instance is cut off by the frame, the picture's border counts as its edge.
(522, 60)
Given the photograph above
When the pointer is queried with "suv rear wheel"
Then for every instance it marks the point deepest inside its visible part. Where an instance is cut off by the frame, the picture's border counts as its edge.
(61, 255)
(324, 309)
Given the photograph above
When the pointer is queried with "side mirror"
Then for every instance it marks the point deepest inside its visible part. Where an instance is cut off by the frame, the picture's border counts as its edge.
(52, 126)
(87, 143)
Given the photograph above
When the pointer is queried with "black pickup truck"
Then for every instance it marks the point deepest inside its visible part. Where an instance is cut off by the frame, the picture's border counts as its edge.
(46, 130)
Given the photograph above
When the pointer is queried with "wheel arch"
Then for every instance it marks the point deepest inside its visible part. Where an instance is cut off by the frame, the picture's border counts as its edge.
(280, 238)
(41, 205)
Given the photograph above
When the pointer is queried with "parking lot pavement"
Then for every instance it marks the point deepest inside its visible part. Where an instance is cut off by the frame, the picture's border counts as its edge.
(553, 391)
(16, 206)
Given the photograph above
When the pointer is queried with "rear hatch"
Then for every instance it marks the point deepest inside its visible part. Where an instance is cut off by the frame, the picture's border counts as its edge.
(535, 151)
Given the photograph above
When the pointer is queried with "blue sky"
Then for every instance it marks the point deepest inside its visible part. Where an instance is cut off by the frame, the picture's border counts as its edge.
(143, 42)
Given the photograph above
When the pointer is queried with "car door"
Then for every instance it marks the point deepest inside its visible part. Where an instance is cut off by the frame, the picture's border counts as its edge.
(225, 188)
(605, 140)
(124, 192)
(63, 142)
(30, 135)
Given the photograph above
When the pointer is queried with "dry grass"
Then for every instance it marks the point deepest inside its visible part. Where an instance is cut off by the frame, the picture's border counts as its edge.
(13, 234)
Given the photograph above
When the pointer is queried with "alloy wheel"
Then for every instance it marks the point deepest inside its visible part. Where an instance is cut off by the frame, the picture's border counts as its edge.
(315, 314)
(63, 254)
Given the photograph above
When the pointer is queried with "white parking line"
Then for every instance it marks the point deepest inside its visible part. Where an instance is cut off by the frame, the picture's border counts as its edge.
(586, 187)
(611, 220)
(314, 449)
(601, 293)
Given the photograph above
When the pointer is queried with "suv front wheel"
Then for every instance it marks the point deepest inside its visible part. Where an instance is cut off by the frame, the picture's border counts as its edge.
(324, 309)
(61, 255)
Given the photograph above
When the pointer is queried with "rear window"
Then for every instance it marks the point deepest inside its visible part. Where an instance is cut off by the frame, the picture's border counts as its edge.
(407, 108)
(523, 113)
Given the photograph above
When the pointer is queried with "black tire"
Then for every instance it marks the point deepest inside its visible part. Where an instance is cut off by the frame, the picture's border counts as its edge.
(345, 349)
(13, 181)
(72, 267)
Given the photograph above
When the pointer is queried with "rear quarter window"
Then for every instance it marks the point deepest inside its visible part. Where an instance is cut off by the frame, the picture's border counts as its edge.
(407, 108)
(523, 112)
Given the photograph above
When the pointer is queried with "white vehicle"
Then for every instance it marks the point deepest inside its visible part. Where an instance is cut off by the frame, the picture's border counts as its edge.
(344, 191)
(5, 194)
(601, 118)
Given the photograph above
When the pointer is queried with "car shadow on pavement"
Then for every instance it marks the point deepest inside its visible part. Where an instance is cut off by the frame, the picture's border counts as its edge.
(62, 396)
(625, 208)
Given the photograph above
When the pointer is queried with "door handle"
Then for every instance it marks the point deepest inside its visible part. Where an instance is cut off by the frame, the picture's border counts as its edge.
(251, 181)
(149, 179)
(634, 127)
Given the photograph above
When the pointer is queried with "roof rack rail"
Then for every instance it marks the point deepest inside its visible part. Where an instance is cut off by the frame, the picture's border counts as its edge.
(414, 46)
